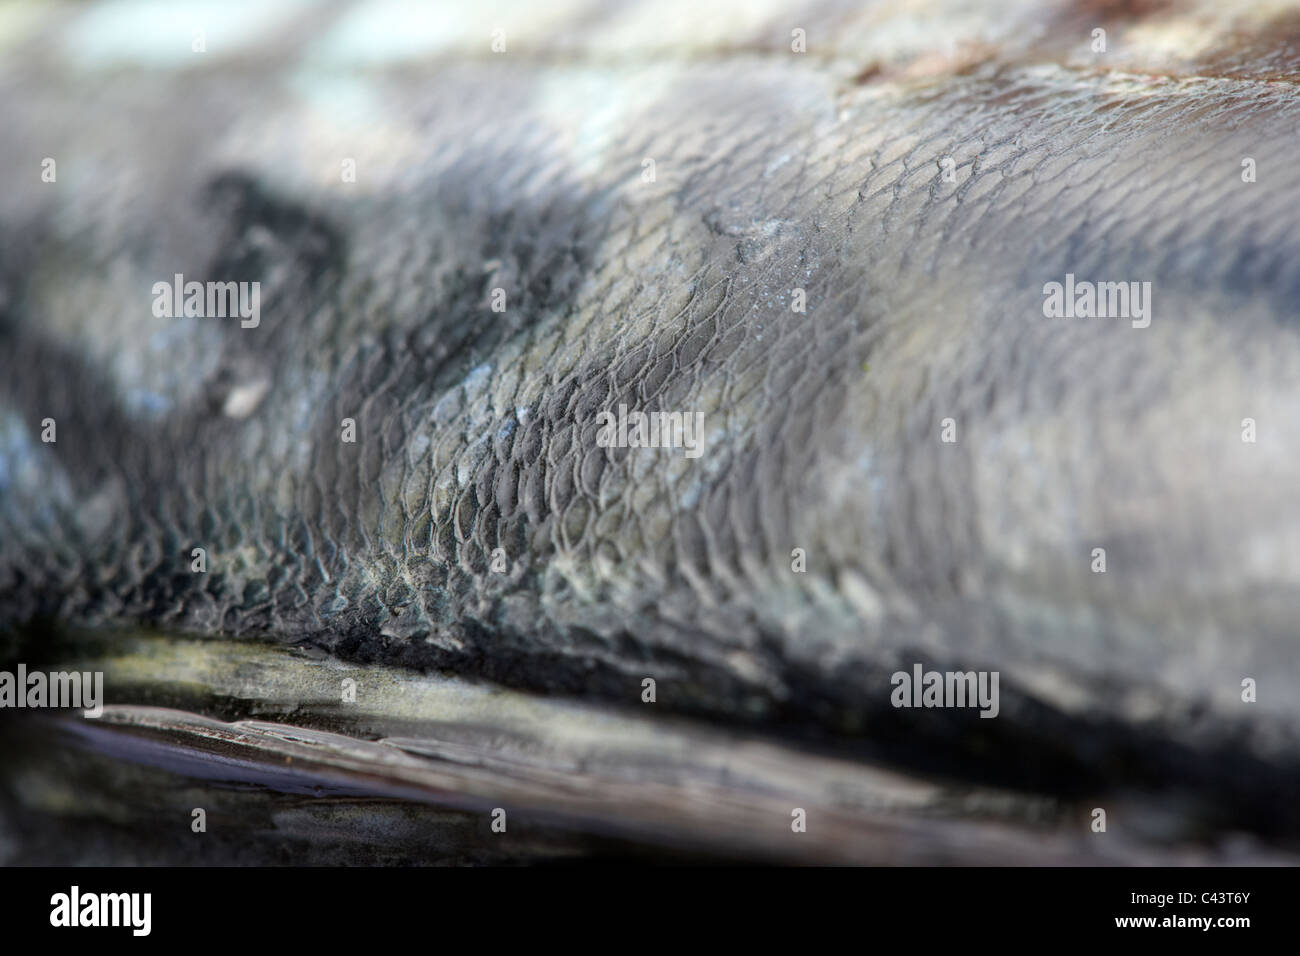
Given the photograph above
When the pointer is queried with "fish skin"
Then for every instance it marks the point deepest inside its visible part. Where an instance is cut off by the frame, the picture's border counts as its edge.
(410, 772)
(774, 170)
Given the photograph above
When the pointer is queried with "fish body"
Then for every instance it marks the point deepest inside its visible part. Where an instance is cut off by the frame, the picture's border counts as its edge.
(832, 235)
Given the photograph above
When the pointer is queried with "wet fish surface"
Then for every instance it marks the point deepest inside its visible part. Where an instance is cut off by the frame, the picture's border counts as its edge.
(475, 230)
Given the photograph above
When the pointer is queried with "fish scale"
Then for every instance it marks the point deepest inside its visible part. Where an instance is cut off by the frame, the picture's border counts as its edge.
(476, 430)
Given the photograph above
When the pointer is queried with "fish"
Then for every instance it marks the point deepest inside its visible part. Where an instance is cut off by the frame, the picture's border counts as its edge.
(978, 327)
